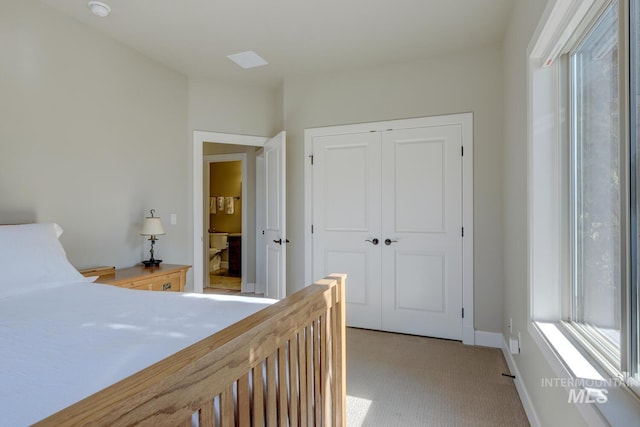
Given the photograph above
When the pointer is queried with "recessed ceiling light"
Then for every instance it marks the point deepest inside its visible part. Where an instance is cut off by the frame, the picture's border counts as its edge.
(99, 9)
(248, 59)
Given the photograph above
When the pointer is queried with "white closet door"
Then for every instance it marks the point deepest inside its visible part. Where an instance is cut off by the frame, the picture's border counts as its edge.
(422, 220)
(346, 213)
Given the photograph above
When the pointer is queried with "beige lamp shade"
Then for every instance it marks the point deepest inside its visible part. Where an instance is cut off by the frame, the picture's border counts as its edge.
(152, 226)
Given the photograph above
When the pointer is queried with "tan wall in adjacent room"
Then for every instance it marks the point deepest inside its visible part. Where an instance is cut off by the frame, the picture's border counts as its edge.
(226, 180)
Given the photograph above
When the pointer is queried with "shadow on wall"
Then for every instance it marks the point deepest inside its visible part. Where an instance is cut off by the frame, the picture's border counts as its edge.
(11, 217)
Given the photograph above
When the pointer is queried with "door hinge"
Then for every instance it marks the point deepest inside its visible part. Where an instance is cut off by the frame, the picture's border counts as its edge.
(463, 312)
(311, 157)
(462, 231)
(462, 150)
(311, 228)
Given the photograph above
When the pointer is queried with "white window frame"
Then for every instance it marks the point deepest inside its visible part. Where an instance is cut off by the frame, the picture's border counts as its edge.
(606, 356)
(547, 176)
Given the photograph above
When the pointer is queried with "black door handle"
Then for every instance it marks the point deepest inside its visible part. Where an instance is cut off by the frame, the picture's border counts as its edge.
(279, 241)
(389, 241)
(374, 241)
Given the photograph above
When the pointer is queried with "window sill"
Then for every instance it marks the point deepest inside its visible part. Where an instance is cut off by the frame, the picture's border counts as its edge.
(600, 399)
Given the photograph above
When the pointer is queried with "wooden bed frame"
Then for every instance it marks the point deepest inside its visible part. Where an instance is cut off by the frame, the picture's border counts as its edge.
(284, 365)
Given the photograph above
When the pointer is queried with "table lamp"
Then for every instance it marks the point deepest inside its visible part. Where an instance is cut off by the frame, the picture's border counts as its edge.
(152, 227)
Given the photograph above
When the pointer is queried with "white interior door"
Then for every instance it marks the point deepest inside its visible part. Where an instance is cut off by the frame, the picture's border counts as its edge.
(421, 231)
(275, 233)
(346, 220)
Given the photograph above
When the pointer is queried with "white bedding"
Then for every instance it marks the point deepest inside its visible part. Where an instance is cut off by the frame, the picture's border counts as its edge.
(62, 342)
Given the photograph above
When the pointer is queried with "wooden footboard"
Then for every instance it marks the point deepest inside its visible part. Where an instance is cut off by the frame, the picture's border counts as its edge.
(284, 366)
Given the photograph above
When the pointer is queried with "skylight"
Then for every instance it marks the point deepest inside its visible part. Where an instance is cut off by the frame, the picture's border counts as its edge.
(248, 59)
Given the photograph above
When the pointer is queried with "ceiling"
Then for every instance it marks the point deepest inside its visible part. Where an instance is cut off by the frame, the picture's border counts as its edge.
(296, 37)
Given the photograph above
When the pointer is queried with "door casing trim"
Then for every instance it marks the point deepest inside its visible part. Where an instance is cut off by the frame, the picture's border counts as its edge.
(199, 138)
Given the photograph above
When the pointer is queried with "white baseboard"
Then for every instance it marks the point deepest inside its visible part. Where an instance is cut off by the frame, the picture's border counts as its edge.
(534, 421)
(488, 339)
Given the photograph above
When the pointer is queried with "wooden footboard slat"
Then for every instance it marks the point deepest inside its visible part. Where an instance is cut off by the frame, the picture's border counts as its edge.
(227, 410)
(310, 374)
(282, 387)
(340, 351)
(258, 396)
(207, 417)
(293, 381)
(244, 401)
(302, 366)
(272, 408)
(172, 390)
(317, 384)
(339, 356)
(327, 393)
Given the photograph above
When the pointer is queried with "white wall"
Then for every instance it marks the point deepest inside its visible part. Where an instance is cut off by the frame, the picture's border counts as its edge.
(231, 108)
(465, 82)
(92, 136)
(550, 404)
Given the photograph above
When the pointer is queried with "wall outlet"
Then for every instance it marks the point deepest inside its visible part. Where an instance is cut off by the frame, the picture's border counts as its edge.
(510, 325)
(174, 219)
(514, 345)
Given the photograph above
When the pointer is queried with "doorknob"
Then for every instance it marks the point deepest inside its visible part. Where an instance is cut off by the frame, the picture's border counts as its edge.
(279, 241)
(389, 241)
(374, 241)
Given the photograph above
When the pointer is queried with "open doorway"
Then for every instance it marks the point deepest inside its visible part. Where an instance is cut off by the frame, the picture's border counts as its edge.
(225, 177)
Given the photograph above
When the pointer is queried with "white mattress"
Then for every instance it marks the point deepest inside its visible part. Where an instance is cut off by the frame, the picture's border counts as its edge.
(63, 342)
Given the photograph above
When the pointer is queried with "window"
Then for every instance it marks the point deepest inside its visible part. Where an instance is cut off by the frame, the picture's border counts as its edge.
(596, 214)
(604, 178)
(634, 134)
(584, 197)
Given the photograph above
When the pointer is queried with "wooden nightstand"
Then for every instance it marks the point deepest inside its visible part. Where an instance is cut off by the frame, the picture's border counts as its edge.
(166, 277)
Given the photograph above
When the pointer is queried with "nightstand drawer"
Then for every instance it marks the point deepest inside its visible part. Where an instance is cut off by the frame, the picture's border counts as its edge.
(164, 282)
(169, 285)
(166, 277)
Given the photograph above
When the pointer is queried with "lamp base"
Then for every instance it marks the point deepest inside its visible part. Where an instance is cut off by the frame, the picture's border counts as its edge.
(152, 263)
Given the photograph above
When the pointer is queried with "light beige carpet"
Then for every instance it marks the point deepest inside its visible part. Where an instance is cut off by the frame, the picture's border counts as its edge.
(402, 380)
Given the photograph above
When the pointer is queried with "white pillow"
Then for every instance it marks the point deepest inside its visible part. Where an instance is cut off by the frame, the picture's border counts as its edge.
(31, 254)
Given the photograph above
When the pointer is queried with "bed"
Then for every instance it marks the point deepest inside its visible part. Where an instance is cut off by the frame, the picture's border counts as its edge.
(81, 353)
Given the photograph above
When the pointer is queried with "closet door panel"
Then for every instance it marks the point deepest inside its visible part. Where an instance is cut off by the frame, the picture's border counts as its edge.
(420, 185)
(422, 220)
(346, 213)
(420, 282)
(346, 186)
(355, 262)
